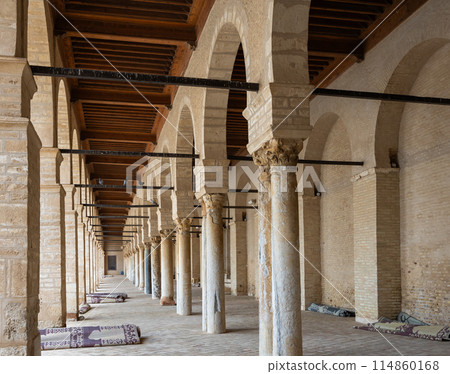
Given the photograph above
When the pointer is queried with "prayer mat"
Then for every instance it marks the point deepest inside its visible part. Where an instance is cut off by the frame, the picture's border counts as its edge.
(89, 336)
(436, 332)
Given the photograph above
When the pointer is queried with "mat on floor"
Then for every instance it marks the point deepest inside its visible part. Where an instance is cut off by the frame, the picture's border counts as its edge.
(102, 297)
(406, 318)
(384, 325)
(89, 336)
(325, 309)
(84, 308)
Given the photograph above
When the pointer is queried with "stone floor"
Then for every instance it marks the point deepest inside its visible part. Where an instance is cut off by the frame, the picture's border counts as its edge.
(166, 333)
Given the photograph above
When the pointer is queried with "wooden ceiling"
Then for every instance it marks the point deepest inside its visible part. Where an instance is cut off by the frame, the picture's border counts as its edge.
(158, 37)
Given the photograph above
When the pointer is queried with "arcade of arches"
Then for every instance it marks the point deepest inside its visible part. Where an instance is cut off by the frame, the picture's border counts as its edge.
(373, 237)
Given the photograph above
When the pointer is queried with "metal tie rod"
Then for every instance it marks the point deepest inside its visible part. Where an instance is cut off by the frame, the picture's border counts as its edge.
(120, 206)
(117, 187)
(102, 75)
(381, 96)
(184, 155)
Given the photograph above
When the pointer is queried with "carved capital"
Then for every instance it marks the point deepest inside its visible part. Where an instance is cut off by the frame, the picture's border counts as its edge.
(155, 241)
(278, 152)
(183, 225)
(165, 233)
(214, 206)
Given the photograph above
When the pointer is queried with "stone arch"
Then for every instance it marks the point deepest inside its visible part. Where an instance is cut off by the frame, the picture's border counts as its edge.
(64, 134)
(331, 214)
(225, 47)
(390, 113)
(40, 52)
(413, 139)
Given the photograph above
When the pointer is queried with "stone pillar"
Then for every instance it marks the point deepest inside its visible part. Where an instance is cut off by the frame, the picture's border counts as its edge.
(19, 194)
(238, 257)
(203, 267)
(147, 269)
(81, 258)
(136, 267)
(286, 296)
(215, 264)
(156, 266)
(141, 250)
(376, 215)
(265, 260)
(195, 258)
(87, 256)
(166, 268)
(52, 291)
(184, 297)
(71, 218)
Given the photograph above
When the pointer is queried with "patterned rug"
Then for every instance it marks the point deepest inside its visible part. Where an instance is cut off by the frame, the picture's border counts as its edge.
(325, 309)
(89, 336)
(436, 332)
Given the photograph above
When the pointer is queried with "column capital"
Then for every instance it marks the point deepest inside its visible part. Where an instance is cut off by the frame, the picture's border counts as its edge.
(165, 233)
(155, 241)
(278, 152)
(183, 225)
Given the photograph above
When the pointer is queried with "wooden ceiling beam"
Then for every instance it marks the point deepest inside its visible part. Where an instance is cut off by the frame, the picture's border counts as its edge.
(116, 97)
(125, 137)
(161, 33)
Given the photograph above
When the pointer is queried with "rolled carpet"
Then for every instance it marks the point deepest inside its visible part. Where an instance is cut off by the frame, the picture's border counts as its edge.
(89, 336)
(325, 309)
(98, 297)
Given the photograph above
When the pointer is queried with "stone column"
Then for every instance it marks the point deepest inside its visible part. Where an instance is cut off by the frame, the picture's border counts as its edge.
(184, 298)
(81, 258)
(376, 214)
(19, 195)
(215, 264)
(195, 258)
(141, 250)
(136, 267)
(87, 259)
(71, 217)
(156, 266)
(147, 269)
(203, 267)
(286, 295)
(265, 260)
(52, 290)
(238, 257)
(166, 268)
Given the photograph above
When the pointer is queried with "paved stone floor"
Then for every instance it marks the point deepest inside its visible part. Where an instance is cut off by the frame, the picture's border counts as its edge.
(166, 333)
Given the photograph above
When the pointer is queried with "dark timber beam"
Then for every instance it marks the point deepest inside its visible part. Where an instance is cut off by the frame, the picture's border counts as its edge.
(124, 137)
(117, 97)
(143, 78)
(114, 187)
(121, 206)
(148, 32)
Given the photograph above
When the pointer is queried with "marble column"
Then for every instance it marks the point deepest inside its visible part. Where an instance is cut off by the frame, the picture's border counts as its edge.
(184, 297)
(203, 267)
(136, 267)
(141, 251)
(81, 259)
(265, 262)
(286, 292)
(147, 269)
(215, 264)
(195, 258)
(156, 266)
(167, 268)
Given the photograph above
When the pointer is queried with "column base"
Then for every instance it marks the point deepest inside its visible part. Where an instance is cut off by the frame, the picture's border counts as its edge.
(168, 301)
(72, 317)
